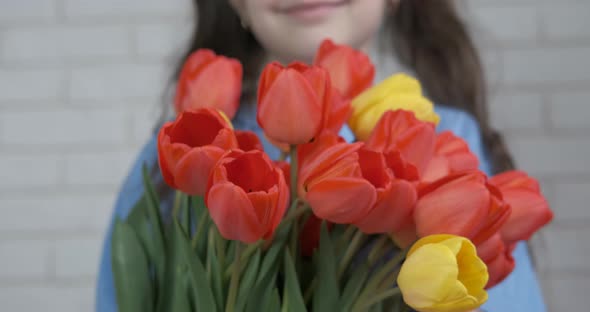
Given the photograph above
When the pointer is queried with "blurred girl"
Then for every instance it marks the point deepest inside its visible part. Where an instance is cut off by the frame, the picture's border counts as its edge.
(425, 38)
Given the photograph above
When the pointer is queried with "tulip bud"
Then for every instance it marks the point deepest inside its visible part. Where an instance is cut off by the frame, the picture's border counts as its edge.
(292, 101)
(209, 80)
(442, 273)
(189, 147)
(396, 92)
(351, 71)
(247, 196)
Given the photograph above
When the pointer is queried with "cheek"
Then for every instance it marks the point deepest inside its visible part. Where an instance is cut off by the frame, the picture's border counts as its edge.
(364, 20)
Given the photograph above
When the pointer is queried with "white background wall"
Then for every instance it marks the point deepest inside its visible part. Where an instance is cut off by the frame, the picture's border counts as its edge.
(80, 84)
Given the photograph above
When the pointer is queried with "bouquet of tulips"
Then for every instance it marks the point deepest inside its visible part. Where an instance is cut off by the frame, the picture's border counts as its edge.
(400, 219)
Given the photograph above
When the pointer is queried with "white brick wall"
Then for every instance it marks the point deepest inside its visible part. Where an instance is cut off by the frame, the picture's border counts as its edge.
(538, 51)
(80, 82)
(80, 87)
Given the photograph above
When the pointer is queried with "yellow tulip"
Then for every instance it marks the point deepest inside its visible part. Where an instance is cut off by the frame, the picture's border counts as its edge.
(442, 273)
(399, 91)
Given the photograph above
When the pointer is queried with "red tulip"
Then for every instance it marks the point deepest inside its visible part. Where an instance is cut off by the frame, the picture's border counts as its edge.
(395, 198)
(309, 158)
(498, 258)
(248, 140)
(351, 71)
(190, 146)
(209, 80)
(408, 142)
(247, 196)
(333, 184)
(344, 183)
(451, 155)
(530, 210)
(292, 101)
(462, 204)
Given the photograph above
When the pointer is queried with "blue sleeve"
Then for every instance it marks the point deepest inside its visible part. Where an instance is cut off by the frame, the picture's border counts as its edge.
(520, 292)
(129, 194)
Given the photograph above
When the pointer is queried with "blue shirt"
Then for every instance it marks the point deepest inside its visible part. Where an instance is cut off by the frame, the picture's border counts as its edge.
(520, 292)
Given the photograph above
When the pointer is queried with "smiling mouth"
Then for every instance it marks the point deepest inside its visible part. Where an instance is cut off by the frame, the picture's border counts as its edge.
(313, 11)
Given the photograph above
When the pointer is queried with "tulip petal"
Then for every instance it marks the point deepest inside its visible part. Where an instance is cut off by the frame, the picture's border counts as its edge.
(192, 171)
(321, 162)
(459, 207)
(290, 110)
(248, 140)
(530, 212)
(393, 209)
(443, 273)
(515, 178)
(338, 113)
(208, 80)
(498, 259)
(341, 200)
(351, 71)
(233, 213)
(429, 276)
(264, 205)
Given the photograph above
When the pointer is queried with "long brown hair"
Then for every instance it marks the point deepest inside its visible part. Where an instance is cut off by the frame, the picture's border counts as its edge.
(428, 36)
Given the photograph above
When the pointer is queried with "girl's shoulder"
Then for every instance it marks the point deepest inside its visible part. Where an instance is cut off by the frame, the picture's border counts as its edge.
(456, 120)
(465, 126)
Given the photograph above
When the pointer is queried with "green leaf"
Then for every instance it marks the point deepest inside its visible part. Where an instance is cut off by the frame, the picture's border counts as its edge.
(248, 279)
(205, 301)
(201, 216)
(179, 296)
(377, 307)
(175, 290)
(153, 213)
(140, 223)
(292, 299)
(274, 304)
(353, 287)
(270, 263)
(326, 295)
(185, 213)
(130, 270)
(261, 294)
(214, 271)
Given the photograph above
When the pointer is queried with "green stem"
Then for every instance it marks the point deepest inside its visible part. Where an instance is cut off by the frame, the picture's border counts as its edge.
(210, 247)
(376, 279)
(200, 229)
(345, 238)
(363, 306)
(245, 254)
(303, 219)
(220, 246)
(235, 279)
(293, 241)
(293, 154)
(405, 307)
(310, 289)
(295, 212)
(377, 250)
(176, 207)
(352, 249)
(283, 156)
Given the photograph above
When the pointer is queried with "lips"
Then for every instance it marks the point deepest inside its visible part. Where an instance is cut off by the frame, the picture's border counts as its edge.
(312, 5)
(312, 11)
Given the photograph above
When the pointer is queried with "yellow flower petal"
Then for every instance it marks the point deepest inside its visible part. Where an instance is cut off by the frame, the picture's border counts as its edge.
(396, 92)
(442, 273)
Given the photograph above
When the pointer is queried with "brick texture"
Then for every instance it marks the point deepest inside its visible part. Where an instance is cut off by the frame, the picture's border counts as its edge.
(81, 82)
